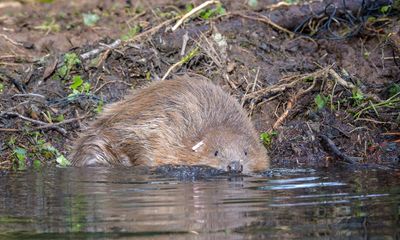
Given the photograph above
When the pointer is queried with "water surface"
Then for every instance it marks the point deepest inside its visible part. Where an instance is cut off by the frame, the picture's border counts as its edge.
(96, 203)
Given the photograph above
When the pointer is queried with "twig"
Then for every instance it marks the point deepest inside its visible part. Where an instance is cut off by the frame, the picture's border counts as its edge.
(374, 121)
(185, 59)
(100, 49)
(52, 125)
(45, 125)
(29, 95)
(266, 20)
(11, 41)
(340, 80)
(10, 130)
(193, 11)
(252, 102)
(153, 29)
(336, 152)
(293, 80)
(291, 103)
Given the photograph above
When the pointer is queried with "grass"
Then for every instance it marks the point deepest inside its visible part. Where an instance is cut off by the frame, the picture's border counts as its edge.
(392, 102)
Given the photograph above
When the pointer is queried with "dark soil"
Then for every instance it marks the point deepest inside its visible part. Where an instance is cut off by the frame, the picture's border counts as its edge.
(276, 75)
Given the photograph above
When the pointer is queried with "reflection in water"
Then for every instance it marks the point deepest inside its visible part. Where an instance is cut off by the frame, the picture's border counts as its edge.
(119, 203)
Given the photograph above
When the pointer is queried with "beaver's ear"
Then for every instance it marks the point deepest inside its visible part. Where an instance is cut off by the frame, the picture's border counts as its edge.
(198, 146)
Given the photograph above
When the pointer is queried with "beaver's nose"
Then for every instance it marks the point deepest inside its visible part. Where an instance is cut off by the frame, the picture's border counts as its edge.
(235, 167)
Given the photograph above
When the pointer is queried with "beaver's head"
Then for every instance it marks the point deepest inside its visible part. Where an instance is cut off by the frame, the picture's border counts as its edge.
(232, 151)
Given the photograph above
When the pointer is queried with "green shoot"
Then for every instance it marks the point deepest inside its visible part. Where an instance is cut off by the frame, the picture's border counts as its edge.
(266, 137)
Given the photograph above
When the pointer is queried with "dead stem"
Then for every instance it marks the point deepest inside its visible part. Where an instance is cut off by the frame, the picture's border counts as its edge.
(10, 40)
(100, 49)
(152, 30)
(44, 125)
(193, 11)
(264, 19)
(285, 83)
(291, 104)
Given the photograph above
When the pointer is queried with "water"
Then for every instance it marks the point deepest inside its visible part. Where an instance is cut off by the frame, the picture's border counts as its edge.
(122, 204)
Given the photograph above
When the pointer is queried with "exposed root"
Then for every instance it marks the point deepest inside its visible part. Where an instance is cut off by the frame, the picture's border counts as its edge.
(336, 152)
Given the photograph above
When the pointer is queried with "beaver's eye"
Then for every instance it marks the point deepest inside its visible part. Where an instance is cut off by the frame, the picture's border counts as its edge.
(216, 153)
(245, 153)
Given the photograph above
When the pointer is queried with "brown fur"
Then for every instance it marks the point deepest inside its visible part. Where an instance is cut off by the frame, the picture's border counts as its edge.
(161, 123)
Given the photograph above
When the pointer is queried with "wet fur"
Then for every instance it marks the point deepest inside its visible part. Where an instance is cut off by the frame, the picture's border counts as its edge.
(161, 123)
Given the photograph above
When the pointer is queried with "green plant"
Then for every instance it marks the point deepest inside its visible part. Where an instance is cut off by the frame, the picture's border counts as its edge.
(1, 87)
(189, 7)
(392, 102)
(99, 107)
(63, 161)
(252, 3)
(45, 150)
(320, 101)
(90, 19)
(49, 26)
(291, 2)
(11, 141)
(78, 86)
(131, 32)
(70, 61)
(385, 9)
(266, 137)
(20, 154)
(357, 96)
(212, 12)
(394, 89)
(190, 55)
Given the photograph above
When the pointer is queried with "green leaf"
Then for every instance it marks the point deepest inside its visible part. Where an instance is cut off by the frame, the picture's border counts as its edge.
(208, 13)
(357, 96)
(37, 164)
(189, 7)
(385, 9)
(63, 161)
(60, 118)
(131, 33)
(252, 3)
(63, 71)
(86, 87)
(99, 107)
(20, 153)
(266, 137)
(1, 87)
(90, 19)
(71, 59)
(11, 141)
(76, 82)
(394, 89)
(320, 101)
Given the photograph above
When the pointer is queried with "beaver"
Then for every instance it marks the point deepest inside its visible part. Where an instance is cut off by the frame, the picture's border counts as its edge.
(184, 121)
